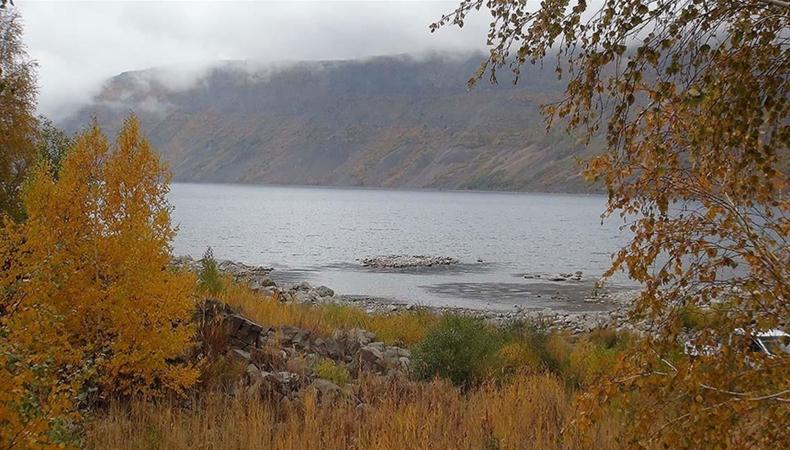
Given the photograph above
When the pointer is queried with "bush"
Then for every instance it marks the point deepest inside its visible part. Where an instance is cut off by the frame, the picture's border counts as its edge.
(209, 278)
(588, 362)
(695, 317)
(517, 357)
(329, 370)
(581, 361)
(461, 349)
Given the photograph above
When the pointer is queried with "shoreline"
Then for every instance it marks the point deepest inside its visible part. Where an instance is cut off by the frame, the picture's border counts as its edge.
(611, 306)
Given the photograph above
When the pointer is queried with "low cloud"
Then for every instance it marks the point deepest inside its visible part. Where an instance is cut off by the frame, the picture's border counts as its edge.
(79, 45)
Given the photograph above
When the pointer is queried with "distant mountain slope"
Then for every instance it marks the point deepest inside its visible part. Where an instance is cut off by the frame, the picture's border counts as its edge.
(388, 121)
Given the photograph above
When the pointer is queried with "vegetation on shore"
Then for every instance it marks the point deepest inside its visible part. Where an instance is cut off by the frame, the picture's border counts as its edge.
(99, 341)
(475, 385)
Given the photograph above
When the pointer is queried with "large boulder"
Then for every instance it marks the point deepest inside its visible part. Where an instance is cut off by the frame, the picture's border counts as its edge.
(326, 389)
(323, 291)
(242, 332)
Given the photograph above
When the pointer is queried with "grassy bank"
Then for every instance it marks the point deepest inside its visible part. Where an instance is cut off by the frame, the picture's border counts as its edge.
(473, 386)
(529, 411)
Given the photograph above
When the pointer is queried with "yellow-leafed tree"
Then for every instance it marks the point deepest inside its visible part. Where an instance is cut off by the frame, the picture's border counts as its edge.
(88, 296)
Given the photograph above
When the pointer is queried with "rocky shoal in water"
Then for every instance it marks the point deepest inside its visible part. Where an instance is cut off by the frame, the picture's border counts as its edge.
(407, 261)
(614, 305)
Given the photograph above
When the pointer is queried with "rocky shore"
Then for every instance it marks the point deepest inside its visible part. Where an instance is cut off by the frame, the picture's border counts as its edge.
(613, 313)
(281, 361)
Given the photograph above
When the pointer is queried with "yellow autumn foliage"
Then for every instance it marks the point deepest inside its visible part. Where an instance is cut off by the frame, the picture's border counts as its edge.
(87, 295)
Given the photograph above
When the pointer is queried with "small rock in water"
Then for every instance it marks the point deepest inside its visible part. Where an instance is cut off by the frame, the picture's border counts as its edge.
(404, 261)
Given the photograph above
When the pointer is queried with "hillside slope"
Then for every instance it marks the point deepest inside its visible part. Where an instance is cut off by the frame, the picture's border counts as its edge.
(388, 121)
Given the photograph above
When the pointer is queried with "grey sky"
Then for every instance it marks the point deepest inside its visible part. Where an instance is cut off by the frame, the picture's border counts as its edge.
(80, 44)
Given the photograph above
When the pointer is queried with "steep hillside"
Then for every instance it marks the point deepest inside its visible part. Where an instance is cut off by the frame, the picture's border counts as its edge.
(389, 121)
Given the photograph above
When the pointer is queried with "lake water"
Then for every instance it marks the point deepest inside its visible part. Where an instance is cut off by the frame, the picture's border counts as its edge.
(319, 234)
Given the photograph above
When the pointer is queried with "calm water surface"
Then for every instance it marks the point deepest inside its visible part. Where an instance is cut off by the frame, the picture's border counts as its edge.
(319, 234)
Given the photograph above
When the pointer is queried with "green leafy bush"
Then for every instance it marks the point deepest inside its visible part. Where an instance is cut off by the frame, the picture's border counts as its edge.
(209, 278)
(461, 349)
(695, 317)
(329, 370)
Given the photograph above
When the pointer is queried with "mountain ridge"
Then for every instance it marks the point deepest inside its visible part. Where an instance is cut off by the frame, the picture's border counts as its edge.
(392, 121)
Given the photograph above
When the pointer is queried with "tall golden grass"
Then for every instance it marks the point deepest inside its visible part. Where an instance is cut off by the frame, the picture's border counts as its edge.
(530, 411)
(525, 409)
(405, 328)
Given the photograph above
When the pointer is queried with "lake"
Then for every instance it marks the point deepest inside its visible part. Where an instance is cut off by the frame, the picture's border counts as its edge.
(319, 234)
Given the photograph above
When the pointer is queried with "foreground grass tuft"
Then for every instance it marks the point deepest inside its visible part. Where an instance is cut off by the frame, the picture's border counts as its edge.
(531, 411)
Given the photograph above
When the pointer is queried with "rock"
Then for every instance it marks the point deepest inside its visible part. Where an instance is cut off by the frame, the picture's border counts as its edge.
(241, 354)
(287, 379)
(243, 332)
(558, 278)
(254, 375)
(370, 356)
(404, 261)
(259, 284)
(276, 384)
(324, 291)
(404, 364)
(303, 286)
(326, 389)
(294, 337)
(305, 296)
(362, 337)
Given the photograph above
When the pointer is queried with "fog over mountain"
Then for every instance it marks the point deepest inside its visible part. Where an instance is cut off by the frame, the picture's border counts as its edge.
(392, 121)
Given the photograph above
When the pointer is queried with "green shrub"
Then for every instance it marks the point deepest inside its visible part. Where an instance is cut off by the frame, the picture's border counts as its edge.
(209, 278)
(533, 335)
(695, 317)
(461, 349)
(588, 362)
(329, 370)
(611, 338)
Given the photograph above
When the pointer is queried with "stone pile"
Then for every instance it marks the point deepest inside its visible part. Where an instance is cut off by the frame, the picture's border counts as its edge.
(280, 359)
(562, 276)
(406, 261)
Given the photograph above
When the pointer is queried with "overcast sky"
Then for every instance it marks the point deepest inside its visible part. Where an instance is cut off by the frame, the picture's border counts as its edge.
(78, 45)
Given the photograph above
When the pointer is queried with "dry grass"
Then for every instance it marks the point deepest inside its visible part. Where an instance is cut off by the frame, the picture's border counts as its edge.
(525, 409)
(528, 412)
(406, 328)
